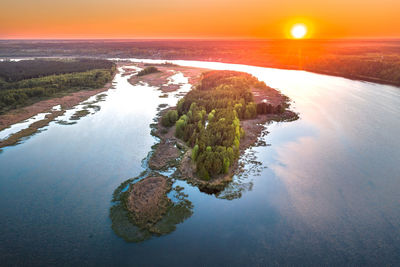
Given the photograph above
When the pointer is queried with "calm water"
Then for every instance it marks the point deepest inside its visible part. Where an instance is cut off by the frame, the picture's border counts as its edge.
(327, 191)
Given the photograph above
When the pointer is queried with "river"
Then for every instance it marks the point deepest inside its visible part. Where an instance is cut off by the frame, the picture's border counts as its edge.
(322, 190)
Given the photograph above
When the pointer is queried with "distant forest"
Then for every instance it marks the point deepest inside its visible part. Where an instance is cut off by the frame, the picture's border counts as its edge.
(28, 81)
(12, 71)
(369, 60)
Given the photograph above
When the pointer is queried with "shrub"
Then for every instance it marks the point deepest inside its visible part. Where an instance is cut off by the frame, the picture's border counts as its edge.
(169, 118)
(147, 70)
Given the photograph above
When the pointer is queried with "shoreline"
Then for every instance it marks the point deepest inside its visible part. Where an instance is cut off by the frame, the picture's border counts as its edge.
(66, 101)
(145, 199)
(353, 77)
(162, 80)
(44, 106)
(181, 158)
(171, 151)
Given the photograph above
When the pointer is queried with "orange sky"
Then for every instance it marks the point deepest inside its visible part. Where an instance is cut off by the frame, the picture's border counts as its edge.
(197, 19)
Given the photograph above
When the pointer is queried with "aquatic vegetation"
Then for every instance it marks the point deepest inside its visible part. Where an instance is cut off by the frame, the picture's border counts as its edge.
(34, 128)
(177, 209)
(79, 114)
(64, 122)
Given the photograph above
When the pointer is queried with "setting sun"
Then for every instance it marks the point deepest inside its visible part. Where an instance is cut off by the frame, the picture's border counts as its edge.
(298, 31)
(193, 133)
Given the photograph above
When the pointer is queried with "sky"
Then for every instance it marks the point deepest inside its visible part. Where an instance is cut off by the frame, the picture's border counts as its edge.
(63, 19)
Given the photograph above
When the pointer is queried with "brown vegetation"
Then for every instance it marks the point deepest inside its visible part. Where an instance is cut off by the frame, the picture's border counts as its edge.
(32, 129)
(147, 200)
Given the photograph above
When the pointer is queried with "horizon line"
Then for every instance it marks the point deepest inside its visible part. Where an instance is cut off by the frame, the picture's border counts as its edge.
(196, 39)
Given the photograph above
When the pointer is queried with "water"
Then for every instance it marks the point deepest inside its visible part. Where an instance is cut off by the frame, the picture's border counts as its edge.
(327, 191)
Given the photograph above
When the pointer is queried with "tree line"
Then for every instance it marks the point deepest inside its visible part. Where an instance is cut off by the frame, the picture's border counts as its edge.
(11, 71)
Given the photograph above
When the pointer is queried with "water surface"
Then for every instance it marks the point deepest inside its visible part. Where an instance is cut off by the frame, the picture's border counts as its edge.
(327, 191)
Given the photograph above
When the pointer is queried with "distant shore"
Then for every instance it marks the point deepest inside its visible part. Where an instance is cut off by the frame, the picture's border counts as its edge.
(371, 60)
(66, 100)
(44, 106)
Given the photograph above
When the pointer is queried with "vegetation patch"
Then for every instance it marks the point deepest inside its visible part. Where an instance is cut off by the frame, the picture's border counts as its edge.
(17, 137)
(147, 200)
(164, 155)
(149, 207)
(169, 118)
(79, 114)
(214, 123)
(148, 70)
(210, 119)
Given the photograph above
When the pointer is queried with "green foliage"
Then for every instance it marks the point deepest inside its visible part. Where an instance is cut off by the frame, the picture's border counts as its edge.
(215, 137)
(225, 79)
(227, 164)
(147, 70)
(195, 152)
(179, 106)
(251, 111)
(211, 115)
(180, 126)
(169, 118)
(27, 91)
(229, 89)
(264, 108)
(11, 71)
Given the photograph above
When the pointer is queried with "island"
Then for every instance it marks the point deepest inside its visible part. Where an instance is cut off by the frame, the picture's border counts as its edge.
(200, 139)
(214, 123)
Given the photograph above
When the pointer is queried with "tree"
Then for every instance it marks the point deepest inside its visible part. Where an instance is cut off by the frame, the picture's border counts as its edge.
(195, 152)
(227, 164)
(169, 118)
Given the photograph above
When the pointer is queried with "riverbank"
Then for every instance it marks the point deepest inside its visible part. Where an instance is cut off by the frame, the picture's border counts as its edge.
(44, 106)
(373, 60)
(66, 102)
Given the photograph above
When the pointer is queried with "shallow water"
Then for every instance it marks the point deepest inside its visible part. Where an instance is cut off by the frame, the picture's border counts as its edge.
(327, 191)
(5, 133)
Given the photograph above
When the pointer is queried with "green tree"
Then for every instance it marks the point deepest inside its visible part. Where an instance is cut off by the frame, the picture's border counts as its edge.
(195, 152)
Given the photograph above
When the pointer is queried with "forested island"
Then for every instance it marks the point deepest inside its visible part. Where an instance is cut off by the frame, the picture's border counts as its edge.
(201, 138)
(211, 122)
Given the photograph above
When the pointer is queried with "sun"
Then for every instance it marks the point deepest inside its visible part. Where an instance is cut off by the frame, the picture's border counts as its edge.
(298, 31)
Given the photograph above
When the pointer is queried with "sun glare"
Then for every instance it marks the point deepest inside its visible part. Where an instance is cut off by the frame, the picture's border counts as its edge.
(298, 31)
